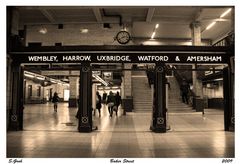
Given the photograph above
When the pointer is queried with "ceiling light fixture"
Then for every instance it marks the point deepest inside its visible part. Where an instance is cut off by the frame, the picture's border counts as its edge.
(28, 75)
(100, 80)
(154, 30)
(53, 81)
(153, 34)
(40, 77)
(210, 25)
(225, 13)
(84, 30)
(43, 30)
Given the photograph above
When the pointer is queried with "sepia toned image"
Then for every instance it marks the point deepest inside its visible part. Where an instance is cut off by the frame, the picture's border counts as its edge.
(120, 82)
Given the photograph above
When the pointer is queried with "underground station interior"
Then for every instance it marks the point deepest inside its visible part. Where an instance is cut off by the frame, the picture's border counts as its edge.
(162, 76)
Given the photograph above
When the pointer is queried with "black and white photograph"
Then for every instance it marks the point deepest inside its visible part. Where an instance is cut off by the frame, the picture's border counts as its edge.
(120, 83)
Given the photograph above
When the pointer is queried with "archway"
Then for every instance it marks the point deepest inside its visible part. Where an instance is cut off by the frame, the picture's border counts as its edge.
(139, 54)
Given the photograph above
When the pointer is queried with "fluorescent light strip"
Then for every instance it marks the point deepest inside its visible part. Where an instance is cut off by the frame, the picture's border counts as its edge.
(40, 78)
(43, 30)
(157, 25)
(32, 75)
(100, 80)
(29, 75)
(225, 13)
(84, 30)
(153, 34)
(210, 25)
(53, 81)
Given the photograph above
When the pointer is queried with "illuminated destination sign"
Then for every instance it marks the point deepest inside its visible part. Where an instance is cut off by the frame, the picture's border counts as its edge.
(122, 58)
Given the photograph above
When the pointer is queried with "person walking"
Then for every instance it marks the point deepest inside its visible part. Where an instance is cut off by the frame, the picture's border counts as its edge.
(150, 76)
(104, 97)
(99, 103)
(118, 101)
(184, 88)
(55, 100)
(110, 102)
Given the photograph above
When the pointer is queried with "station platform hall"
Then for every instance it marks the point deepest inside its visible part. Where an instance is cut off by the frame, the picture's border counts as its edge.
(118, 82)
(48, 134)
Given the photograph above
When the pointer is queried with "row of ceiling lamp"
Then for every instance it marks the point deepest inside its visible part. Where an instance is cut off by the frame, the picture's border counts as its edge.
(43, 30)
(221, 16)
(207, 28)
(42, 78)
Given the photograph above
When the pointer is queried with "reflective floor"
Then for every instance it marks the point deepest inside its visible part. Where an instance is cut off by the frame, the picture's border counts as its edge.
(48, 134)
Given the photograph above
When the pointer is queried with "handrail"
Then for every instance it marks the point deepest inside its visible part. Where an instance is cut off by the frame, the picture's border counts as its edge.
(180, 80)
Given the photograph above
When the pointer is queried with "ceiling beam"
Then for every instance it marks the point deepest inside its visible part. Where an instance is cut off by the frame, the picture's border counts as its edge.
(97, 14)
(48, 15)
(150, 14)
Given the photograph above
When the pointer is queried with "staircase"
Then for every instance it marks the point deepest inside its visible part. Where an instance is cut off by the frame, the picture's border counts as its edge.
(142, 94)
(175, 104)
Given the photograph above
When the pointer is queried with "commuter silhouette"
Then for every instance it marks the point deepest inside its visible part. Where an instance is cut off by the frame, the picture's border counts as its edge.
(104, 97)
(118, 101)
(55, 100)
(98, 103)
(110, 102)
(150, 76)
(185, 88)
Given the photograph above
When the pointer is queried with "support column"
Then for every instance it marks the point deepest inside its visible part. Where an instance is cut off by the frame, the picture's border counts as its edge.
(85, 99)
(16, 112)
(13, 27)
(122, 88)
(167, 102)
(127, 81)
(159, 102)
(9, 89)
(228, 92)
(198, 102)
(196, 33)
(94, 91)
(127, 90)
(73, 87)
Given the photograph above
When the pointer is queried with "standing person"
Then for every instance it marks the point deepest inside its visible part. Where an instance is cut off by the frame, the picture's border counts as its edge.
(55, 100)
(150, 76)
(104, 97)
(110, 102)
(98, 103)
(184, 88)
(118, 101)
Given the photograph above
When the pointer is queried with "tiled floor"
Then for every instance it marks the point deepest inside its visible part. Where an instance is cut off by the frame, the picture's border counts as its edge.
(47, 134)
